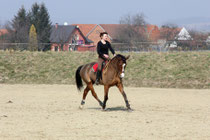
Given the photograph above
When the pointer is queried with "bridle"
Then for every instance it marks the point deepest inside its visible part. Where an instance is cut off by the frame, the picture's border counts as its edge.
(121, 74)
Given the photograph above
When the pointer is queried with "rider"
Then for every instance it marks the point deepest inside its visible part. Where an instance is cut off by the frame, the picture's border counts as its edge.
(103, 48)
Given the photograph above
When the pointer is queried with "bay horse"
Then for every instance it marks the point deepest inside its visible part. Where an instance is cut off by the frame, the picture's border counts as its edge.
(112, 75)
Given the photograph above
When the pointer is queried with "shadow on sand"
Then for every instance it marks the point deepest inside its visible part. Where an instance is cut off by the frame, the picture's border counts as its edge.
(118, 108)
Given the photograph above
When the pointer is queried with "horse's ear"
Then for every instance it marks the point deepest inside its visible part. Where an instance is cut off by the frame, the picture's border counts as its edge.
(127, 57)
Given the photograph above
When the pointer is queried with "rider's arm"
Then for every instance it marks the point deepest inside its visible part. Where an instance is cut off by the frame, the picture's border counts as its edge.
(101, 55)
(111, 49)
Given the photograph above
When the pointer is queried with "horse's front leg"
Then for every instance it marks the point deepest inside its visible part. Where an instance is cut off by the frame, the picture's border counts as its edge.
(120, 87)
(106, 90)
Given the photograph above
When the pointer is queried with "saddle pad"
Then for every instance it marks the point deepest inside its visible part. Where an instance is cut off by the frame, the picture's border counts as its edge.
(95, 67)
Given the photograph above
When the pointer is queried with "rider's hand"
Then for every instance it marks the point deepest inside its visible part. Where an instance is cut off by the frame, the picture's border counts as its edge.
(105, 55)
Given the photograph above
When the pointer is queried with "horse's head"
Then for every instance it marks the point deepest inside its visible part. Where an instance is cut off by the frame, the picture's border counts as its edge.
(121, 64)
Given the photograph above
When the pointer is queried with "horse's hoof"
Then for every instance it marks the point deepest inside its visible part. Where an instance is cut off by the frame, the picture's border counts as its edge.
(104, 109)
(130, 110)
(101, 104)
(81, 107)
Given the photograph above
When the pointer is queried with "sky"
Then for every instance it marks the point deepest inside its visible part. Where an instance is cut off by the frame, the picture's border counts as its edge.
(110, 11)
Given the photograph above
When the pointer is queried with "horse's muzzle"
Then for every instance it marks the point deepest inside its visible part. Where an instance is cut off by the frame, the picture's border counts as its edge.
(122, 75)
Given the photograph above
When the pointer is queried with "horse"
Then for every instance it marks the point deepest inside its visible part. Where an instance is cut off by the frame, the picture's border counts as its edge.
(112, 75)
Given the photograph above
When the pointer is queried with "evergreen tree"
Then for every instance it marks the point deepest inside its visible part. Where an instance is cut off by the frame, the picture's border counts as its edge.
(33, 45)
(39, 16)
(20, 26)
(34, 15)
(45, 26)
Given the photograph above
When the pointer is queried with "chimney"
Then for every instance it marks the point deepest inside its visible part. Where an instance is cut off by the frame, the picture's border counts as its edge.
(56, 25)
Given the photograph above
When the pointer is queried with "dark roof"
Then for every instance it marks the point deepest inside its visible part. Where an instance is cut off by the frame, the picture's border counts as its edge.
(88, 40)
(61, 33)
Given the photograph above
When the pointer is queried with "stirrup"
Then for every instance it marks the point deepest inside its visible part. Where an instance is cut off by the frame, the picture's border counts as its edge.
(98, 77)
(97, 82)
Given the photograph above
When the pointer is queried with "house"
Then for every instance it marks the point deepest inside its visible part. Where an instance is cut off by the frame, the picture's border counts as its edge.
(92, 32)
(113, 30)
(69, 37)
(183, 35)
(3, 38)
(176, 38)
(85, 28)
(152, 31)
(168, 34)
(208, 39)
(3, 32)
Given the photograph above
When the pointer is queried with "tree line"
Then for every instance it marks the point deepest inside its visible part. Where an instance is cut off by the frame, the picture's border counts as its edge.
(32, 30)
(30, 27)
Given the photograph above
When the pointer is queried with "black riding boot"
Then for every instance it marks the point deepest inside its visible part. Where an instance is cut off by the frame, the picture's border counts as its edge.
(98, 76)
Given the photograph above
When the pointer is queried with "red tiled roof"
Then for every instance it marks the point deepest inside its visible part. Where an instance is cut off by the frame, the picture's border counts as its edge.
(150, 28)
(173, 32)
(153, 32)
(3, 31)
(85, 28)
(112, 29)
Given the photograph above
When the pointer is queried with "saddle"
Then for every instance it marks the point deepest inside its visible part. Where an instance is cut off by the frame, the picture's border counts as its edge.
(95, 66)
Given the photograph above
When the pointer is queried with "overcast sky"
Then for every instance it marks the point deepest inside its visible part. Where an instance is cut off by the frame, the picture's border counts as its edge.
(110, 11)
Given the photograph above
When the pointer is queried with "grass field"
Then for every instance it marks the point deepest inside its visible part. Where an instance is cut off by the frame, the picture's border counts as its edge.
(153, 69)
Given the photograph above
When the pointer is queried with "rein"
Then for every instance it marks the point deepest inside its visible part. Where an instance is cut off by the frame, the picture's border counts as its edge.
(107, 65)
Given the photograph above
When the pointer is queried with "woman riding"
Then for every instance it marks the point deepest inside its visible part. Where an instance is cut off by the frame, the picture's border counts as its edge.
(103, 48)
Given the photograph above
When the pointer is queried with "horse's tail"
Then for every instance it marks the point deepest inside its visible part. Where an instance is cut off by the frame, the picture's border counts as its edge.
(78, 79)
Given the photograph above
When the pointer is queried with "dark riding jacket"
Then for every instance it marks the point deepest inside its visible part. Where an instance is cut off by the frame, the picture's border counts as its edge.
(104, 49)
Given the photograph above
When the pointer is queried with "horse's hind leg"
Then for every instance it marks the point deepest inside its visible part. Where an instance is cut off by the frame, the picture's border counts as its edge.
(84, 96)
(90, 85)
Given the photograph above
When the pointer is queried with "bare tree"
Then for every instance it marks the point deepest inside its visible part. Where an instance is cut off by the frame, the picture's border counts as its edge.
(170, 25)
(199, 39)
(133, 30)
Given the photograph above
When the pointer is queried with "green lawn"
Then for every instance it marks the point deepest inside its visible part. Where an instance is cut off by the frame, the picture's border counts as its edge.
(168, 70)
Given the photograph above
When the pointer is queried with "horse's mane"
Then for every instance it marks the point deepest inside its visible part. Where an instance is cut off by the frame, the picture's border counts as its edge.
(115, 60)
(119, 56)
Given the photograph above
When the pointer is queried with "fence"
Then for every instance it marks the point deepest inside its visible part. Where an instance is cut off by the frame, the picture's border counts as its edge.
(125, 47)
(22, 46)
(163, 46)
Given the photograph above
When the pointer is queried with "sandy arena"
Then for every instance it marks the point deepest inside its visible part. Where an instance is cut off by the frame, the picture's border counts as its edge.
(36, 112)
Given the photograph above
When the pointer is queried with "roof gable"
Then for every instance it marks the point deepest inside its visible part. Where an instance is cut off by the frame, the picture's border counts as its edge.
(183, 35)
(85, 28)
